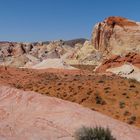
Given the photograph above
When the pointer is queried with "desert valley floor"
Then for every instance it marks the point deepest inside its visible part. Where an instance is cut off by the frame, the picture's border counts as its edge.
(109, 94)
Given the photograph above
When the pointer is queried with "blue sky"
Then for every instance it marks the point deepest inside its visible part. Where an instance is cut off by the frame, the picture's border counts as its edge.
(41, 20)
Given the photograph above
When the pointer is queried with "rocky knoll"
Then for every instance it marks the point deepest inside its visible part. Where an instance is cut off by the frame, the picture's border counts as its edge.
(28, 115)
(116, 35)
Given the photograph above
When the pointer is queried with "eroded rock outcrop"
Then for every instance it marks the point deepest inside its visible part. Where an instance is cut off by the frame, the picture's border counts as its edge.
(126, 70)
(117, 60)
(116, 35)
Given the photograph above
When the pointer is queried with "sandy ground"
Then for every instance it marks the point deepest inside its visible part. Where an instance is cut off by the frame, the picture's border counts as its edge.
(109, 94)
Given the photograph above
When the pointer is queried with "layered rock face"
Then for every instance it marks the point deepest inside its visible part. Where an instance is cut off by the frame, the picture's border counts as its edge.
(116, 35)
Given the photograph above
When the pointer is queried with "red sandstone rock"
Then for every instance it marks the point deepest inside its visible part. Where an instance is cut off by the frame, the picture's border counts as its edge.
(116, 61)
(116, 35)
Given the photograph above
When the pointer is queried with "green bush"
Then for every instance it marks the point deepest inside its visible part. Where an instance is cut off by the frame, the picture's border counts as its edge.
(97, 133)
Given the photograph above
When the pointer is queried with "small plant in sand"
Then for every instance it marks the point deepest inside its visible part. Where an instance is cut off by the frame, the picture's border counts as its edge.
(132, 119)
(99, 100)
(122, 104)
(97, 133)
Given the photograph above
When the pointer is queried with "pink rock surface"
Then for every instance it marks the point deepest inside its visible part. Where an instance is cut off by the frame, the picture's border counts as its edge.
(31, 116)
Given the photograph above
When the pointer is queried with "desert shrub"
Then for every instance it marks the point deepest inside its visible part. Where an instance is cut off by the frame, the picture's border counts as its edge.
(97, 133)
(124, 93)
(89, 92)
(126, 113)
(59, 84)
(99, 100)
(132, 86)
(101, 81)
(127, 97)
(122, 104)
(132, 119)
(107, 88)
